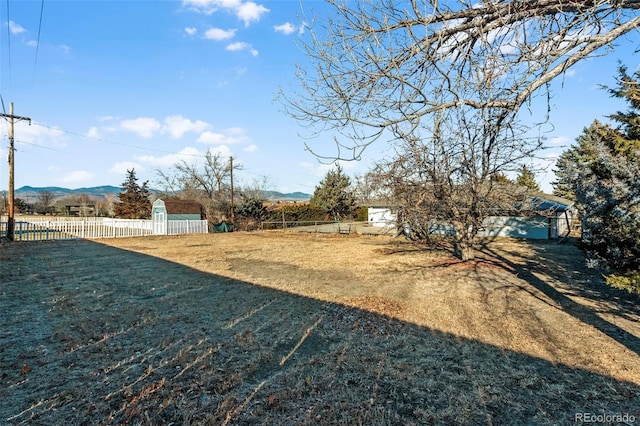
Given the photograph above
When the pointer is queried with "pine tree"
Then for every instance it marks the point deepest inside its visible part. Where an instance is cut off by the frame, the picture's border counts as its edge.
(527, 179)
(576, 157)
(134, 199)
(334, 194)
(629, 90)
(500, 178)
(608, 193)
(603, 171)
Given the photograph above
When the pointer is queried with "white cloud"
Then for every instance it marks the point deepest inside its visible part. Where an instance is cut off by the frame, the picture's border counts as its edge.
(187, 154)
(143, 126)
(558, 141)
(230, 136)
(94, 133)
(241, 45)
(250, 12)
(76, 177)
(286, 28)
(206, 7)
(177, 126)
(246, 11)
(121, 167)
(222, 150)
(15, 28)
(219, 34)
(40, 135)
(251, 148)
(191, 30)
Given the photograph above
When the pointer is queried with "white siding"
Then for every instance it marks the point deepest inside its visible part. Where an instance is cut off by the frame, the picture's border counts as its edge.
(535, 227)
(381, 216)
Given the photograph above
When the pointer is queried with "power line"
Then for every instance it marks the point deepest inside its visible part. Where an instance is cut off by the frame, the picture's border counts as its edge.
(9, 36)
(35, 63)
(117, 143)
(40, 146)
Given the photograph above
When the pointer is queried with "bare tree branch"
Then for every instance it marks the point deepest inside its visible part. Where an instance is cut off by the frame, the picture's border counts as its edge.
(207, 182)
(445, 80)
(377, 63)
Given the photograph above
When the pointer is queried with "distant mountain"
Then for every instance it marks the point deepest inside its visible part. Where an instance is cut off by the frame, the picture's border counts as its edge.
(293, 196)
(31, 193)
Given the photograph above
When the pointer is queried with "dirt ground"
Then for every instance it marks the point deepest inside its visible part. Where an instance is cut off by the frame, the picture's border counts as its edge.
(285, 328)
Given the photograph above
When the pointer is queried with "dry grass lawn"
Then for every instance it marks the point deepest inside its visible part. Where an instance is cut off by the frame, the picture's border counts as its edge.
(285, 328)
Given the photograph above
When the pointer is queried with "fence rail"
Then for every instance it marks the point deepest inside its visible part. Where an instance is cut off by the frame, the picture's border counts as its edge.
(279, 224)
(40, 229)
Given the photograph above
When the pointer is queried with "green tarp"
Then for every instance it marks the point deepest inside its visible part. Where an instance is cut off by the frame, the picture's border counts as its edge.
(222, 227)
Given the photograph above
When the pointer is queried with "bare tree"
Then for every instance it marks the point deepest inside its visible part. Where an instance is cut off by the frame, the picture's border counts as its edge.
(376, 63)
(443, 183)
(87, 204)
(108, 204)
(43, 204)
(368, 188)
(207, 182)
(444, 82)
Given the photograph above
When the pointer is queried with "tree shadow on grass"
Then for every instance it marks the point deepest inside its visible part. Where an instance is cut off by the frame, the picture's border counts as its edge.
(552, 260)
(97, 335)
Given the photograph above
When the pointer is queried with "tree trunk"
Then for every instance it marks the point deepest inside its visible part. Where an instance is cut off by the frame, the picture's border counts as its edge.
(464, 244)
(464, 251)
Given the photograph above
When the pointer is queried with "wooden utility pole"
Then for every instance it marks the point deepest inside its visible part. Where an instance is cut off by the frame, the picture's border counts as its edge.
(11, 212)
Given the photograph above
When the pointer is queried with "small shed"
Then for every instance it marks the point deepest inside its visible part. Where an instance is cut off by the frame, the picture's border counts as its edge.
(168, 209)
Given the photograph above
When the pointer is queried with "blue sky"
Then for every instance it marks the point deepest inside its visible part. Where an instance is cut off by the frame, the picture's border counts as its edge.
(113, 85)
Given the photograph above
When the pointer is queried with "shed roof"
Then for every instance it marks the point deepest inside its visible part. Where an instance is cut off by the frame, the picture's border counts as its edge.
(179, 206)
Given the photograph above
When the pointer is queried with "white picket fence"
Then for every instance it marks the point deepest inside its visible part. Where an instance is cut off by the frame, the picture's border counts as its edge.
(54, 228)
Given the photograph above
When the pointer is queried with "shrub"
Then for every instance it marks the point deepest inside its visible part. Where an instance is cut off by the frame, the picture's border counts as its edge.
(629, 282)
(297, 213)
(362, 214)
(252, 208)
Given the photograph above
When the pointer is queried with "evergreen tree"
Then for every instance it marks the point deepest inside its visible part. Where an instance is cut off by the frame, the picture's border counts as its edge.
(629, 90)
(603, 171)
(527, 179)
(21, 206)
(608, 196)
(134, 199)
(577, 156)
(500, 177)
(252, 207)
(334, 194)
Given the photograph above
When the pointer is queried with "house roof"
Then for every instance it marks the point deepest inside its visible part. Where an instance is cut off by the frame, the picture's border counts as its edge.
(544, 201)
(539, 202)
(179, 206)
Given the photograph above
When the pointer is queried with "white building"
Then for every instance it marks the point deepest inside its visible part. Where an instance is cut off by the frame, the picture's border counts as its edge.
(551, 218)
